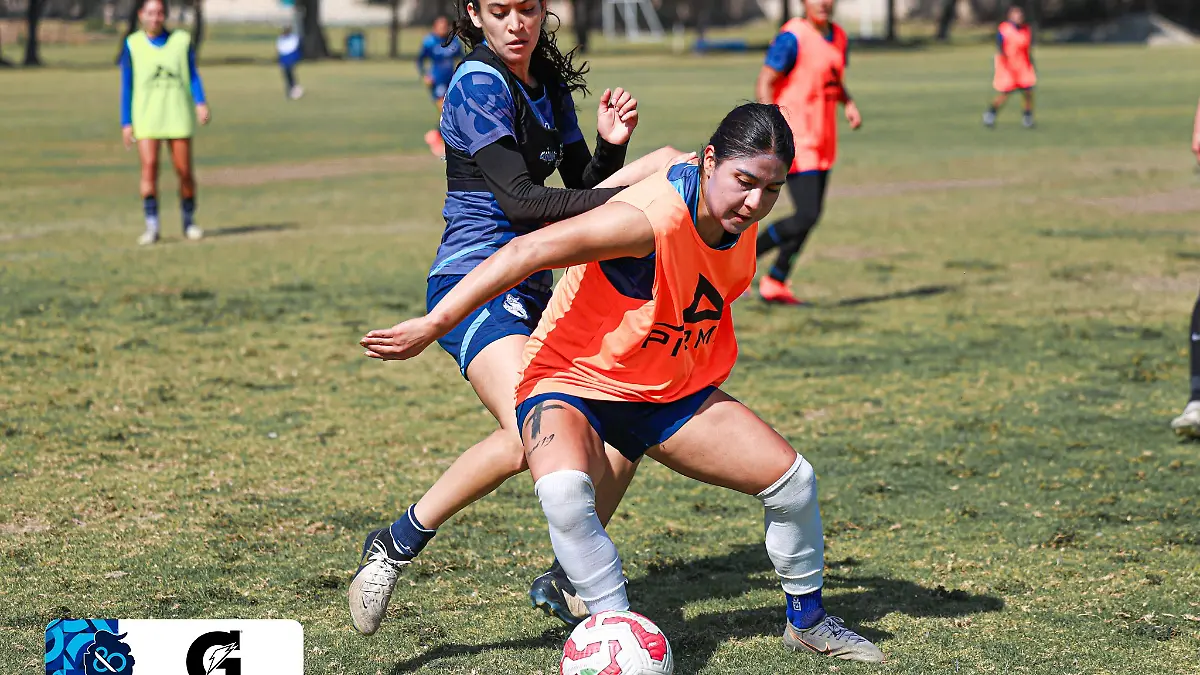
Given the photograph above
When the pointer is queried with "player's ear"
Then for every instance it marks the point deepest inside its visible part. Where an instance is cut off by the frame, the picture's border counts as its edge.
(473, 12)
(709, 163)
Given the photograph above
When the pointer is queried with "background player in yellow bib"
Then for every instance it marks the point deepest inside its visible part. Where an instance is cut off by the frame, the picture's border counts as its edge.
(161, 99)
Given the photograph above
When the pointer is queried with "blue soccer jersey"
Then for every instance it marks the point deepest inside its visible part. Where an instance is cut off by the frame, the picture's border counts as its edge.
(442, 58)
(480, 110)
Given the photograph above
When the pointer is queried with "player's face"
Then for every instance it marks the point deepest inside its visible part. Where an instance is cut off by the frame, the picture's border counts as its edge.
(152, 16)
(1016, 15)
(441, 27)
(741, 191)
(819, 11)
(511, 27)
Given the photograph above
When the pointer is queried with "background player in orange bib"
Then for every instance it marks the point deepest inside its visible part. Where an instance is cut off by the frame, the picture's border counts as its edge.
(631, 351)
(1014, 67)
(803, 74)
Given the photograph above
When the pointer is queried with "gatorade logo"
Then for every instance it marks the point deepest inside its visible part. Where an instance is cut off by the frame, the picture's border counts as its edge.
(211, 654)
(707, 305)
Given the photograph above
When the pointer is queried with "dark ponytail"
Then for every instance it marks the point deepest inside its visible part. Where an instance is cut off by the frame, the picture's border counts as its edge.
(548, 64)
(754, 129)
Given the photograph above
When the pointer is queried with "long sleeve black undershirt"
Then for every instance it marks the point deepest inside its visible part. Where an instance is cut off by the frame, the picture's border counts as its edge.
(525, 202)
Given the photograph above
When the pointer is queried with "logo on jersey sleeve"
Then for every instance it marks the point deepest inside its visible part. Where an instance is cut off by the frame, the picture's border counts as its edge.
(707, 305)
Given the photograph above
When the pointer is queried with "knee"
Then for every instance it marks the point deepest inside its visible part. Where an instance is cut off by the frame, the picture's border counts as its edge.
(567, 497)
(794, 491)
(509, 453)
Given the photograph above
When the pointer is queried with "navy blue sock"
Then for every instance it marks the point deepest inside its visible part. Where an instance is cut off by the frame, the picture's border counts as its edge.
(150, 208)
(805, 611)
(188, 206)
(409, 535)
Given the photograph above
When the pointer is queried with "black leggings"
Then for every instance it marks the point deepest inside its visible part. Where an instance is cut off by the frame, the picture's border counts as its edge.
(807, 190)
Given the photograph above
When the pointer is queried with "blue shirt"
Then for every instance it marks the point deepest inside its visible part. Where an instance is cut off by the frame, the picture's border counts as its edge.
(127, 77)
(443, 58)
(480, 110)
(784, 50)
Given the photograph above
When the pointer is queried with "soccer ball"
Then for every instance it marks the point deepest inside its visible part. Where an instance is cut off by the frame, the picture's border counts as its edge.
(617, 643)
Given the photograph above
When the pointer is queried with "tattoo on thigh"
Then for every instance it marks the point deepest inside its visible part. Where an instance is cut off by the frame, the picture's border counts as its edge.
(535, 426)
(535, 417)
(539, 445)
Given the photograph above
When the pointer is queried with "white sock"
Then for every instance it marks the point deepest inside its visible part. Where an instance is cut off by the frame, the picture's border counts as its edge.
(794, 538)
(582, 546)
(152, 224)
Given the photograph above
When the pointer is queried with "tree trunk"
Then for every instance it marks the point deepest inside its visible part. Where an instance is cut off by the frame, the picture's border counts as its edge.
(786, 14)
(891, 20)
(394, 31)
(33, 16)
(583, 23)
(946, 19)
(130, 28)
(312, 40)
(197, 25)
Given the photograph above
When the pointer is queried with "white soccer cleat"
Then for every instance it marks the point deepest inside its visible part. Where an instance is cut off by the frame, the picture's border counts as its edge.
(148, 238)
(296, 93)
(194, 233)
(373, 583)
(1188, 423)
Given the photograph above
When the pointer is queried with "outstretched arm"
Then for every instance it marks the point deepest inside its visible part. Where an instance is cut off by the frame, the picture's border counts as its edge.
(1196, 135)
(614, 230)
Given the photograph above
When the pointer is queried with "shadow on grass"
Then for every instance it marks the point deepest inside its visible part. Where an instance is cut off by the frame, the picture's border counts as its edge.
(667, 589)
(918, 292)
(550, 638)
(251, 229)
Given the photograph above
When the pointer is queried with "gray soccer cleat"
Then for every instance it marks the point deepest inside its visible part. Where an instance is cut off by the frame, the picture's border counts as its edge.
(373, 583)
(831, 638)
(1188, 423)
(989, 119)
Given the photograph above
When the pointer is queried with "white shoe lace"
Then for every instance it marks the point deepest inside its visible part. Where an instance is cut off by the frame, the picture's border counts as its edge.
(381, 577)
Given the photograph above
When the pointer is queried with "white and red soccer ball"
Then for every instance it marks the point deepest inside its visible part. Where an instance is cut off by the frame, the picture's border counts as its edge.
(617, 643)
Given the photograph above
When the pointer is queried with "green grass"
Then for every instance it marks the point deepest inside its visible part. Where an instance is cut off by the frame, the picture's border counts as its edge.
(983, 385)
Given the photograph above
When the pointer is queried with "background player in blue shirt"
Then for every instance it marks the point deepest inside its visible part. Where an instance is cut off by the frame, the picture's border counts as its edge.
(443, 55)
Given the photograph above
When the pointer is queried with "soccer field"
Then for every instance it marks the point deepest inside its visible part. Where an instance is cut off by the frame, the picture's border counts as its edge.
(984, 382)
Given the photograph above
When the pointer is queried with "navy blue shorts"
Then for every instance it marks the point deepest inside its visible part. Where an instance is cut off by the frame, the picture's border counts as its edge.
(515, 312)
(630, 427)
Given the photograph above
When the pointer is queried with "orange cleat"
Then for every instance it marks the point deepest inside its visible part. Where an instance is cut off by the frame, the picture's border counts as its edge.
(778, 292)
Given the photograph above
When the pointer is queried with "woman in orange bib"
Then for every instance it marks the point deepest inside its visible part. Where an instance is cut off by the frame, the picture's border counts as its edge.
(631, 351)
(803, 74)
(1014, 67)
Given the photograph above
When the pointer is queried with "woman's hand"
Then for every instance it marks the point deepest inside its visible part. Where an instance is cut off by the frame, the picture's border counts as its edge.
(617, 116)
(127, 137)
(853, 116)
(400, 342)
(202, 113)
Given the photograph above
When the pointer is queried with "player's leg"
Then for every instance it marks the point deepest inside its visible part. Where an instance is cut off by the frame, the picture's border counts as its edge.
(567, 460)
(148, 155)
(1188, 423)
(807, 190)
(989, 115)
(433, 137)
(1027, 112)
(181, 157)
(726, 444)
(489, 347)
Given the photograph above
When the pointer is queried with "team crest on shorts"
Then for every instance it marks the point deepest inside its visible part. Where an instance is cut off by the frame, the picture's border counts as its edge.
(513, 305)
